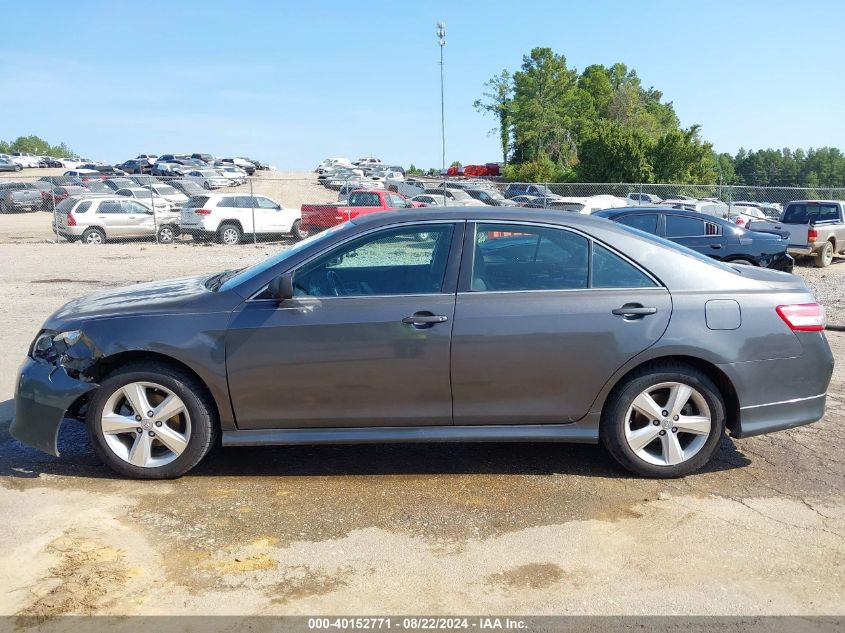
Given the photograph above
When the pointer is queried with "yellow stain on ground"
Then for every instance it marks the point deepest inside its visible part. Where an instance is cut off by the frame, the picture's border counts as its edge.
(242, 564)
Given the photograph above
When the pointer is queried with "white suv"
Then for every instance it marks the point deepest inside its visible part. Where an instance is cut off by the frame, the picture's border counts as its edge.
(228, 217)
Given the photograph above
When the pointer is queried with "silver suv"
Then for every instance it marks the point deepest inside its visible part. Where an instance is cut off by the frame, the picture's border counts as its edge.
(97, 219)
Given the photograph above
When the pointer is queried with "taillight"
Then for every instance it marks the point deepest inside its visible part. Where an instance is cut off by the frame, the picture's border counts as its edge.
(740, 221)
(202, 211)
(71, 221)
(803, 317)
(812, 235)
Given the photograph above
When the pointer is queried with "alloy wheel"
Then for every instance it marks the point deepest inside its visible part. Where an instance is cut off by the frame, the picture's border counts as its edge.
(229, 235)
(94, 237)
(668, 423)
(146, 424)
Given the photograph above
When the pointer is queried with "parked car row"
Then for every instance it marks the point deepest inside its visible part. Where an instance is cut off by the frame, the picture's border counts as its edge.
(131, 213)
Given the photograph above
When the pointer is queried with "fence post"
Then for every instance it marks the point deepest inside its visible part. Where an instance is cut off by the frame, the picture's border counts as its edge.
(153, 205)
(252, 207)
(641, 193)
(55, 217)
(545, 194)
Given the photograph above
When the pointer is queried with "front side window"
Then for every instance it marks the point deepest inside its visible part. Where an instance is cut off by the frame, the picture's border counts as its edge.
(265, 203)
(400, 261)
(396, 202)
(130, 206)
(519, 257)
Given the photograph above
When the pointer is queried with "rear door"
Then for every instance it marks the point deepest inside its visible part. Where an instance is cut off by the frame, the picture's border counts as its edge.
(543, 318)
(696, 233)
(109, 214)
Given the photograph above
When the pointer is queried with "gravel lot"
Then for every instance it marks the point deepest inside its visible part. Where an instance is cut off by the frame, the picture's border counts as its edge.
(526, 528)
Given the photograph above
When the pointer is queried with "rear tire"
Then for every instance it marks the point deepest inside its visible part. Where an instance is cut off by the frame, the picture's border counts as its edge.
(824, 257)
(193, 429)
(229, 234)
(683, 440)
(93, 236)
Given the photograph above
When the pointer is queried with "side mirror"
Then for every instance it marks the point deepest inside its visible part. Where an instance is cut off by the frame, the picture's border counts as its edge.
(281, 287)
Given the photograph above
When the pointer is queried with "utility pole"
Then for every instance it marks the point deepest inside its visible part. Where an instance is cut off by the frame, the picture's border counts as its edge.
(441, 40)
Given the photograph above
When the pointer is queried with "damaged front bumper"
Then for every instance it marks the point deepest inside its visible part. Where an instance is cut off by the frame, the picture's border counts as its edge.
(49, 382)
(42, 397)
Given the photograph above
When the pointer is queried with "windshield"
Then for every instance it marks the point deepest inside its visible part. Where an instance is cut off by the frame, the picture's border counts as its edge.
(677, 247)
(165, 190)
(246, 274)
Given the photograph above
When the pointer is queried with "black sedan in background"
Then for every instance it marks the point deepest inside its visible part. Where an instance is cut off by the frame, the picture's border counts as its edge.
(717, 238)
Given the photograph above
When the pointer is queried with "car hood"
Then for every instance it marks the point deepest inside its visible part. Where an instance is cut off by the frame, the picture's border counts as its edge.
(187, 295)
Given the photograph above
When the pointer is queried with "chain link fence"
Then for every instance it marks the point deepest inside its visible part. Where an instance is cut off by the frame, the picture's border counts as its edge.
(230, 207)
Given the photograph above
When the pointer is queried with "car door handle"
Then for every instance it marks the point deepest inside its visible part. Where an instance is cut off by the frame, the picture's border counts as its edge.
(630, 310)
(424, 319)
(716, 246)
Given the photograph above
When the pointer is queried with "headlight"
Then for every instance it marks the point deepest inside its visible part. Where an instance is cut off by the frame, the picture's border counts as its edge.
(44, 345)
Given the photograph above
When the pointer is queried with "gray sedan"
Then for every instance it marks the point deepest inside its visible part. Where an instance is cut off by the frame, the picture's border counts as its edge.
(467, 324)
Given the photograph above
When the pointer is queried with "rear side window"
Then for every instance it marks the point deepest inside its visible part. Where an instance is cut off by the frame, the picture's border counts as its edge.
(683, 226)
(196, 202)
(611, 271)
(109, 207)
(66, 205)
(803, 213)
(83, 207)
(519, 257)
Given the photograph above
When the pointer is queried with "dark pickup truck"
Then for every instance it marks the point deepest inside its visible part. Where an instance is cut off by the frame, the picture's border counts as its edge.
(17, 196)
(815, 228)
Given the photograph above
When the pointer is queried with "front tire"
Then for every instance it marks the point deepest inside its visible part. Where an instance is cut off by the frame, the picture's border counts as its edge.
(824, 257)
(166, 234)
(206, 185)
(664, 421)
(151, 420)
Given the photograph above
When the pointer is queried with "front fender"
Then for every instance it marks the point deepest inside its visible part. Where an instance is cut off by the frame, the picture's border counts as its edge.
(42, 397)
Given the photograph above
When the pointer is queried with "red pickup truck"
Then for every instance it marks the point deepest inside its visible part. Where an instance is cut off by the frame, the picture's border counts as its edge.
(319, 217)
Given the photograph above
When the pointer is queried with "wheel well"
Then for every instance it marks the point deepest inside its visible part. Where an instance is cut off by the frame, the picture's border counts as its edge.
(236, 223)
(105, 366)
(722, 382)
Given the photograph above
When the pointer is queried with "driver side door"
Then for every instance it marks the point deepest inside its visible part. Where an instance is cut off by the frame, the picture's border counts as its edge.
(365, 341)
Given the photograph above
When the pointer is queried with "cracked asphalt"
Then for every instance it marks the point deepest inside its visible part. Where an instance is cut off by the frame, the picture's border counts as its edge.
(434, 529)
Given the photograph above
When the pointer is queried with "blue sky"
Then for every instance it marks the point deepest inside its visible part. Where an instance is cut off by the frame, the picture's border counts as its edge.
(293, 82)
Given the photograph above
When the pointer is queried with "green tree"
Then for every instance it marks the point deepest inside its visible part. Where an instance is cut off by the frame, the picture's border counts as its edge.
(548, 109)
(35, 145)
(497, 101)
(680, 156)
(615, 153)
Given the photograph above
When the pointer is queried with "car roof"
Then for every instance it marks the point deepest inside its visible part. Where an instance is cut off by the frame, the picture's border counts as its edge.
(613, 213)
(484, 212)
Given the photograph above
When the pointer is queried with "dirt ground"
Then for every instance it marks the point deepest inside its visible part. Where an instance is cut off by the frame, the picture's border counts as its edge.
(523, 529)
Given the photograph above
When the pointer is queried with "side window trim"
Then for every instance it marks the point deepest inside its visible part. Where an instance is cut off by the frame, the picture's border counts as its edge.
(468, 256)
